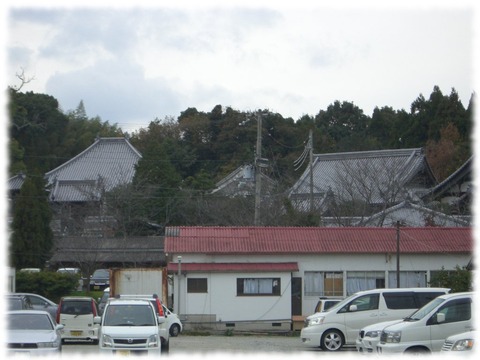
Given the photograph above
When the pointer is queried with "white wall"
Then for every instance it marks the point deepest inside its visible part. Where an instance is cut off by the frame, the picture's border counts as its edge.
(222, 301)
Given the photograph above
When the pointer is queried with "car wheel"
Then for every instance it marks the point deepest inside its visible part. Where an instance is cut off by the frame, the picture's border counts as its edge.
(165, 347)
(332, 340)
(174, 330)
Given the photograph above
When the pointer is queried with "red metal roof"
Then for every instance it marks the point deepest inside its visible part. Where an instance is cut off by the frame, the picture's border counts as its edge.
(288, 240)
(234, 267)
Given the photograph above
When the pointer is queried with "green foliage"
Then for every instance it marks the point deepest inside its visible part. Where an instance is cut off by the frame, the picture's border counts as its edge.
(458, 280)
(32, 237)
(52, 285)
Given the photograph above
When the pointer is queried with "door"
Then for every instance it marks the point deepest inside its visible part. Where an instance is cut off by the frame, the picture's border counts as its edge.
(358, 313)
(456, 316)
(296, 296)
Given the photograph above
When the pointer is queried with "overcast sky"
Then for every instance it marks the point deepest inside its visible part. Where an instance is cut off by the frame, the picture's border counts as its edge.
(131, 65)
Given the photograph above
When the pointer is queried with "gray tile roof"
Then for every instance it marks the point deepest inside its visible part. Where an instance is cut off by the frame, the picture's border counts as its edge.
(371, 176)
(16, 182)
(241, 182)
(107, 163)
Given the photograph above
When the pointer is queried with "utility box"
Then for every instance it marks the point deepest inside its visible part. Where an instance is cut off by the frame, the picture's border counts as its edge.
(139, 281)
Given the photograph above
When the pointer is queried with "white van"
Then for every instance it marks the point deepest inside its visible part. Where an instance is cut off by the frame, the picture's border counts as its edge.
(339, 325)
(426, 330)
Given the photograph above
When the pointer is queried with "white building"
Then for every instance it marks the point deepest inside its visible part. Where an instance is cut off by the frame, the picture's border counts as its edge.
(260, 277)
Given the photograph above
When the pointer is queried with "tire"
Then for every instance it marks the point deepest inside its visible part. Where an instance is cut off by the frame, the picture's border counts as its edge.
(332, 340)
(165, 347)
(174, 330)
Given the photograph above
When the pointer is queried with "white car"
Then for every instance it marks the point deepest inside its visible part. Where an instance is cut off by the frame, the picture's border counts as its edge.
(369, 336)
(174, 325)
(76, 314)
(130, 327)
(32, 332)
(460, 342)
(426, 329)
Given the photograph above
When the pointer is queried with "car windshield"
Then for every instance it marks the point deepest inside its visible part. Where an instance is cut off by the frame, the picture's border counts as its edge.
(129, 315)
(425, 310)
(29, 322)
(101, 274)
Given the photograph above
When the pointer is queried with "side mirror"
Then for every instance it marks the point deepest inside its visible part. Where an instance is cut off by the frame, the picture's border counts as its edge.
(59, 326)
(440, 318)
(97, 320)
(353, 308)
(161, 319)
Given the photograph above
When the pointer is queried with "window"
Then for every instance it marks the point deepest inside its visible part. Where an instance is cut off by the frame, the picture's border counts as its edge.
(457, 310)
(363, 303)
(258, 286)
(197, 285)
(319, 283)
(364, 280)
(408, 279)
(400, 300)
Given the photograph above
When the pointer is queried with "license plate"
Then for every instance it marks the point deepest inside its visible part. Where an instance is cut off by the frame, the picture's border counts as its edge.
(123, 352)
(76, 333)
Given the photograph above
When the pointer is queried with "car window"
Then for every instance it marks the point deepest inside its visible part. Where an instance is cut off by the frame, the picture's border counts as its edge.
(363, 303)
(425, 297)
(76, 307)
(400, 300)
(15, 304)
(129, 315)
(29, 322)
(456, 310)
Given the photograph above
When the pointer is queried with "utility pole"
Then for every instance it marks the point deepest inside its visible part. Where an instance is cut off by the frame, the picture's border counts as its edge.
(310, 142)
(258, 177)
(398, 254)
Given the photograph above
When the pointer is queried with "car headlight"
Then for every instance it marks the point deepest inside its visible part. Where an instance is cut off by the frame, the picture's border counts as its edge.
(373, 333)
(392, 336)
(153, 341)
(463, 345)
(107, 341)
(45, 345)
(316, 321)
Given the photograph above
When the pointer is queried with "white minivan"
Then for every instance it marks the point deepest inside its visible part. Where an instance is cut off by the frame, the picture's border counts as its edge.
(426, 329)
(339, 325)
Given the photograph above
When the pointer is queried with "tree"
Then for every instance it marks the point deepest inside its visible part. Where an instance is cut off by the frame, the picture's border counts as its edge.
(32, 237)
(458, 280)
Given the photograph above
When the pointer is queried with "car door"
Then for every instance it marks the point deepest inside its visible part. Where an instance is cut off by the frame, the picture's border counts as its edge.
(360, 312)
(455, 316)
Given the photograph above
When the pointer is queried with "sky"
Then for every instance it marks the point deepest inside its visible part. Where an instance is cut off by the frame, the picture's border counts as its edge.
(131, 64)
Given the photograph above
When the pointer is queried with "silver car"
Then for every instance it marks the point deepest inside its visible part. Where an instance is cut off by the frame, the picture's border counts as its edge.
(32, 332)
(41, 303)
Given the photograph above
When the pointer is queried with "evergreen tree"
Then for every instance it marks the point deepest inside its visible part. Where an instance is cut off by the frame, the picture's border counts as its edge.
(32, 237)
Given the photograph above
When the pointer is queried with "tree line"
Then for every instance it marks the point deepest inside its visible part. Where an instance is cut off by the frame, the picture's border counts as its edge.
(184, 157)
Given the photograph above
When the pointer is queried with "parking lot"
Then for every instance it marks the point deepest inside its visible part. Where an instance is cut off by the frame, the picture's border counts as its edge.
(212, 344)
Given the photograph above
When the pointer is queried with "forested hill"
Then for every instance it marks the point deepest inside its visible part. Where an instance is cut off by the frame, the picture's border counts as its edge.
(198, 148)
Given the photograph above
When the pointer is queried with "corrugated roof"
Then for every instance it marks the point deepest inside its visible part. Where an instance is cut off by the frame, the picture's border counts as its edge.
(108, 161)
(16, 182)
(234, 267)
(288, 240)
(366, 175)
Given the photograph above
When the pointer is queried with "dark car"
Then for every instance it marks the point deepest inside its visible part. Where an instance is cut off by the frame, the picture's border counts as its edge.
(100, 279)
(18, 302)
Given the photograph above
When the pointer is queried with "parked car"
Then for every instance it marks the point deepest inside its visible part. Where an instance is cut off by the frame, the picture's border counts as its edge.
(338, 326)
(460, 342)
(130, 326)
(159, 310)
(32, 332)
(18, 302)
(41, 303)
(426, 329)
(325, 303)
(102, 301)
(100, 279)
(174, 325)
(76, 315)
(369, 336)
